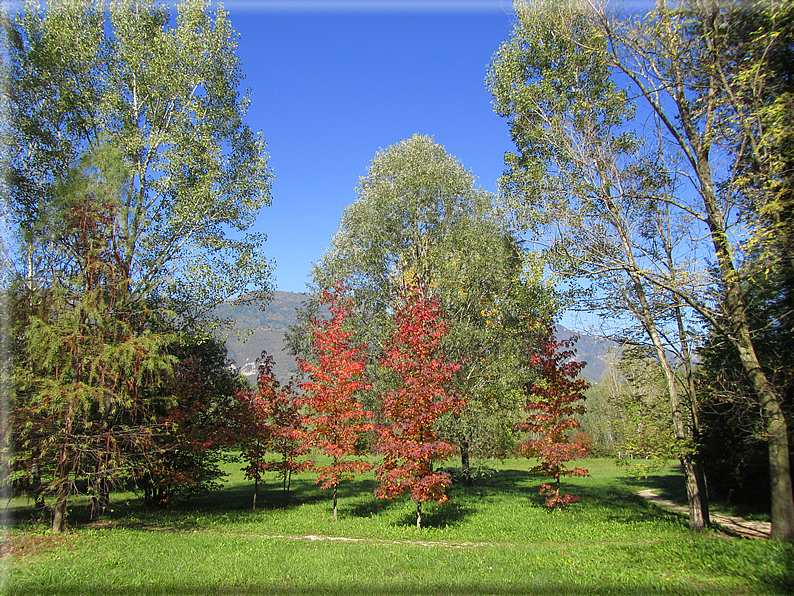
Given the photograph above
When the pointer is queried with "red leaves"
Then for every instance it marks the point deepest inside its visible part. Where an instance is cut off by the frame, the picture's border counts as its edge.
(270, 421)
(336, 418)
(552, 404)
(422, 393)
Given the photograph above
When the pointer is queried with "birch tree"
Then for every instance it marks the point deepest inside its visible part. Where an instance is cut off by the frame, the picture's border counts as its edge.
(163, 95)
(642, 87)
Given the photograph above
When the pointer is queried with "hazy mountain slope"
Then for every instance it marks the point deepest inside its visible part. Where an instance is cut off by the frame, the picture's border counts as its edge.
(269, 327)
(590, 349)
(271, 324)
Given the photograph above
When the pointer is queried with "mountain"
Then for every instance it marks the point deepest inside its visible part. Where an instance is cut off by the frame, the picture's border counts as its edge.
(270, 325)
(590, 349)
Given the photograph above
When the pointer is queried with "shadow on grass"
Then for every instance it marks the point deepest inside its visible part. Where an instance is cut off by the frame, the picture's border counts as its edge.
(672, 487)
(438, 515)
(668, 486)
(357, 500)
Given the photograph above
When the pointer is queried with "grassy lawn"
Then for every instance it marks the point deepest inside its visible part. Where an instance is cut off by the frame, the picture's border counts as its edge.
(494, 538)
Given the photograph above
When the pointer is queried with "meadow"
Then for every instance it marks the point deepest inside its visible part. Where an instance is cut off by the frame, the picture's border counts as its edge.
(493, 538)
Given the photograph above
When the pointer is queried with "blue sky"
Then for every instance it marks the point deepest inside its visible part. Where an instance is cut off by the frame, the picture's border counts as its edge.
(333, 81)
(331, 86)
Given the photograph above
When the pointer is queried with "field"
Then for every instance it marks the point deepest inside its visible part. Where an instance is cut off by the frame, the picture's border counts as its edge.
(493, 538)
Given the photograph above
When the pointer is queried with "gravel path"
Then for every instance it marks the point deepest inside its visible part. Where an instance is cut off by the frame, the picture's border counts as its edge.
(737, 526)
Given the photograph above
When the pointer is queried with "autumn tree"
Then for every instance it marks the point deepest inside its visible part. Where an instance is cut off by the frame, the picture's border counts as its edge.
(269, 420)
(422, 392)
(554, 401)
(85, 353)
(335, 419)
(287, 437)
(191, 411)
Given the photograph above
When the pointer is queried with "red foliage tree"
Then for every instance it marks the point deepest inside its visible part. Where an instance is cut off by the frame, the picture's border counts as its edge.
(422, 394)
(269, 420)
(286, 436)
(335, 418)
(553, 402)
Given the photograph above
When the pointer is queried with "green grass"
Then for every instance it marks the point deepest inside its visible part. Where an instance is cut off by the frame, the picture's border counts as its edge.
(493, 538)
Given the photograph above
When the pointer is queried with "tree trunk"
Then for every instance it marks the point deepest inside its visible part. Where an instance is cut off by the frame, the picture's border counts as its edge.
(335, 502)
(100, 501)
(645, 314)
(256, 491)
(287, 483)
(735, 313)
(694, 407)
(465, 467)
(419, 515)
(697, 518)
(59, 511)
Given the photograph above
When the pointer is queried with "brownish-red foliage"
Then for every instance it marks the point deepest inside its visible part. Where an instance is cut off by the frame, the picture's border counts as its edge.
(423, 392)
(553, 402)
(335, 419)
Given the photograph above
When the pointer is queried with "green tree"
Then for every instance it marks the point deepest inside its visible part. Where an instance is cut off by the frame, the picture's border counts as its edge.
(191, 412)
(679, 104)
(420, 219)
(596, 190)
(85, 350)
(164, 96)
(132, 183)
(750, 55)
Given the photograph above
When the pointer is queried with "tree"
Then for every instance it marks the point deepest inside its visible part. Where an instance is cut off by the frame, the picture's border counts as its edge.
(423, 391)
(335, 419)
(683, 118)
(553, 406)
(269, 420)
(85, 351)
(191, 435)
(164, 98)
(699, 127)
(128, 164)
(750, 55)
(420, 219)
(598, 188)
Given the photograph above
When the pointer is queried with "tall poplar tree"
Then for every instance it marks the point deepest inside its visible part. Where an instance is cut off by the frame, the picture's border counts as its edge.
(161, 91)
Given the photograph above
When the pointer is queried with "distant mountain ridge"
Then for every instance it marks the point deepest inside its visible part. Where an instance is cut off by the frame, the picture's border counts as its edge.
(270, 325)
(593, 350)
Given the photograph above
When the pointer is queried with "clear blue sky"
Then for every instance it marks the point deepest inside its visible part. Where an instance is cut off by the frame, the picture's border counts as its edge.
(333, 81)
(329, 87)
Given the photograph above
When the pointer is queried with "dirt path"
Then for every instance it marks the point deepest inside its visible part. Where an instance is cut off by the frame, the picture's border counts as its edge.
(737, 526)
